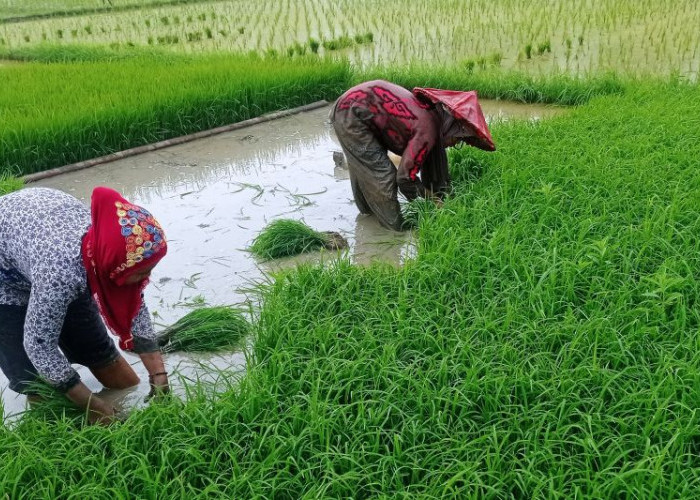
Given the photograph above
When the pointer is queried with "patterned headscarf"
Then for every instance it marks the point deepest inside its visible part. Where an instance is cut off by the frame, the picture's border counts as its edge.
(123, 238)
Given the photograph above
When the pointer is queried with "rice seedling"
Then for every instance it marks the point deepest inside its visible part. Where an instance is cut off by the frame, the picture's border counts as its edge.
(543, 47)
(186, 94)
(469, 65)
(9, 183)
(52, 406)
(194, 37)
(342, 42)
(630, 38)
(284, 237)
(415, 211)
(207, 329)
(314, 45)
(364, 38)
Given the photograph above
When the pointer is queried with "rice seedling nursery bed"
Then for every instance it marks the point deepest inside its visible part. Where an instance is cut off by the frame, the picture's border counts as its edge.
(542, 343)
(102, 101)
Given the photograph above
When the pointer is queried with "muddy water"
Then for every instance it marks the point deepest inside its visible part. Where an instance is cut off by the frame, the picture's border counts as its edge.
(213, 196)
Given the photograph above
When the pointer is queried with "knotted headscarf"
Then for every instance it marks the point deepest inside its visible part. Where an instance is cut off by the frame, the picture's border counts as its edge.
(123, 239)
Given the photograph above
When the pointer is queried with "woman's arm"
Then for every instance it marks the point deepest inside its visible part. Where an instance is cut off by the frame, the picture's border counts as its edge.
(412, 160)
(46, 312)
(146, 346)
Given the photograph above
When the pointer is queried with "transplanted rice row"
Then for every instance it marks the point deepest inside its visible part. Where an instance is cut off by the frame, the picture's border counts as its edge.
(21, 10)
(543, 343)
(647, 37)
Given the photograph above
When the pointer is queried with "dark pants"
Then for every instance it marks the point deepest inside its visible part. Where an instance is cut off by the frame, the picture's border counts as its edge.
(84, 340)
(372, 175)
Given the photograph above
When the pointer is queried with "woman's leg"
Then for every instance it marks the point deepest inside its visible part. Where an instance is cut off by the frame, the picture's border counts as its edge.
(372, 173)
(357, 194)
(84, 340)
(117, 375)
(14, 362)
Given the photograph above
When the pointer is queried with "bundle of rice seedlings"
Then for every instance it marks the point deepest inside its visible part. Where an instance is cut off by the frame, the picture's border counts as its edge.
(414, 211)
(208, 329)
(284, 237)
(52, 406)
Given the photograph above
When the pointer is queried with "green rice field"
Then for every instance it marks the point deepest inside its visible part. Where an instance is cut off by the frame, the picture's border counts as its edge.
(576, 37)
(546, 348)
(64, 112)
(543, 343)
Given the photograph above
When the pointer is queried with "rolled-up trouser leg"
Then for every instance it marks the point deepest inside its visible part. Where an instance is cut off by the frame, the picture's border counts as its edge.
(373, 176)
(357, 194)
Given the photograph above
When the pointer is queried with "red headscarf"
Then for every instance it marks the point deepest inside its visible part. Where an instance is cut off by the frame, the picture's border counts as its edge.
(465, 108)
(122, 239)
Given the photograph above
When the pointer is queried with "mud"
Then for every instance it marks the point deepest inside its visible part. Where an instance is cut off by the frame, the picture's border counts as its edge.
(212, 197)
(335, 241)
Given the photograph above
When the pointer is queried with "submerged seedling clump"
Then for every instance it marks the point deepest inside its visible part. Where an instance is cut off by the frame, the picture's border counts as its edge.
(284, 237)
(208, 329)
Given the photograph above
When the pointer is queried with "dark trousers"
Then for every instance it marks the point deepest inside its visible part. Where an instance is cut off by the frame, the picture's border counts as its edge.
(84, 340)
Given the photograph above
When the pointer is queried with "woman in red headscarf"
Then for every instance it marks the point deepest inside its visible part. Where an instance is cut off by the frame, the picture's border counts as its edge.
(63, 269)
(375, 117)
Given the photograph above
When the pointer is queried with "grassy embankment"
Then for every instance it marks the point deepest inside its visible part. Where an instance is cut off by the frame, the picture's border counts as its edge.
(544, 342)
(63, 112)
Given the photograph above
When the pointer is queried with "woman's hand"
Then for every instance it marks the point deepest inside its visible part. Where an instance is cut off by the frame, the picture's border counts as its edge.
(157, 375)
(101, 413)
(429, 195)
(98, 411)
(159, 385)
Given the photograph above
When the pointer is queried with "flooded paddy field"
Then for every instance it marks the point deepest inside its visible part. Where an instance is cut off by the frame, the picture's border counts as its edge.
(655, 37)
(14, 10)
(212, 197)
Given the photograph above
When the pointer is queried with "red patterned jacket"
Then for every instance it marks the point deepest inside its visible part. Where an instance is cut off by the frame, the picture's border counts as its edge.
(400, 122)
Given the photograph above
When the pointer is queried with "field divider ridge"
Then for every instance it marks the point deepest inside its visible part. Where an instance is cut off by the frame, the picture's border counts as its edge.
(81, 165)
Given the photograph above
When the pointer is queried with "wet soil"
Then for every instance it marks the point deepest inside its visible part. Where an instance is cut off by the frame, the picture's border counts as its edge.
(335, 241)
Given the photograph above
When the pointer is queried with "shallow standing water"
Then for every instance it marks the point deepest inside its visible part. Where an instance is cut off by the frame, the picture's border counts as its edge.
(212, 197)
